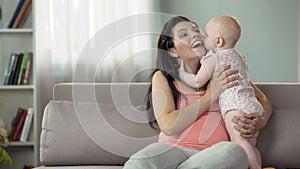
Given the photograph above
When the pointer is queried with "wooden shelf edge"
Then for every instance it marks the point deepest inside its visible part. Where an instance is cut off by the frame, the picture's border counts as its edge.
(20, 144)
(16, 87)
(22, 30)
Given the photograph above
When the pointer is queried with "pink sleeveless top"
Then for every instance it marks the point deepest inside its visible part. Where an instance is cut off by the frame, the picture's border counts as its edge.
(207, 130)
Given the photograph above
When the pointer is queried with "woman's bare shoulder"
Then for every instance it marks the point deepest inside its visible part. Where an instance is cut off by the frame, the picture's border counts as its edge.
(159, 81)
(158, 76)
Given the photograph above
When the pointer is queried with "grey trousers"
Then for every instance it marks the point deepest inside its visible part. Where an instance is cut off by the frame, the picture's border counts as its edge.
(223, 155)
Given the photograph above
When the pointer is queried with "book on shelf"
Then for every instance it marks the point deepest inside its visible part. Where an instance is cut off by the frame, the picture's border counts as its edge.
(8, 69)
(23, 68)
(13, 69)
(18, 68)
(14, 122)
(20, 125)
(21, 14)
(27, 124)
(15, 14)
(28, 69)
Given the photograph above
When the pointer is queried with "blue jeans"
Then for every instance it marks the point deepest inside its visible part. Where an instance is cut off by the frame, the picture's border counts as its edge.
(223, 155)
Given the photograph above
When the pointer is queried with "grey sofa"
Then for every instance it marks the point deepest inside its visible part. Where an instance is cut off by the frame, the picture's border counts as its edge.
(98, 126)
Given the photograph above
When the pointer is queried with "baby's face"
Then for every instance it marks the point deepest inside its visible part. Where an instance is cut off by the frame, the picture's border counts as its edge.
(211, 35)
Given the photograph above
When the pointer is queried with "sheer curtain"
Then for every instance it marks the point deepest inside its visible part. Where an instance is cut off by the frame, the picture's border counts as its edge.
(93, 41)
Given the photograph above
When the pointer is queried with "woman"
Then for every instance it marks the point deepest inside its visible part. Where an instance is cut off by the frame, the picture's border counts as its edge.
(193, 134)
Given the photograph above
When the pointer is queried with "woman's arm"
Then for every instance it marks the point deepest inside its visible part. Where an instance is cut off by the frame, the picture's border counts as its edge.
(172, 120)
(248, 125)
(264, 100)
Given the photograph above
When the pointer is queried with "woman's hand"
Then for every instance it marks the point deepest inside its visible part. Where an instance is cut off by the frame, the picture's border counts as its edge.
(248, 124)
(222, 79)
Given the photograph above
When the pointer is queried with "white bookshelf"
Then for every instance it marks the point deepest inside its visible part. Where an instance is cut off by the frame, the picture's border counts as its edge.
(14, 96)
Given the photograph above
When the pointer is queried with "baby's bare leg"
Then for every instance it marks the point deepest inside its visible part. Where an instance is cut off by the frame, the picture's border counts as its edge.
(248, 144)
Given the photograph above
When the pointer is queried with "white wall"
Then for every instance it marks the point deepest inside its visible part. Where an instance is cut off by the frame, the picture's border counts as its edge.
(299, 46)
(270, 32)
(270, 37)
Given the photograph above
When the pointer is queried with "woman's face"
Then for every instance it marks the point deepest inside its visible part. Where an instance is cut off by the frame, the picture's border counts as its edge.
(188, 41)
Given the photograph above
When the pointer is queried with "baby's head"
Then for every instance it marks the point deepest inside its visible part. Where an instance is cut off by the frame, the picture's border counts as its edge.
(222, 32)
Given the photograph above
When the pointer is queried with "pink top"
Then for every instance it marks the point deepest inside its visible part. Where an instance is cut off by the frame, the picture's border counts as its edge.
(207, 130)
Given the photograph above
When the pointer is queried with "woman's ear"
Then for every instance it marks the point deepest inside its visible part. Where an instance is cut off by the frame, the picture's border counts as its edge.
(220, 41)
(173, 53)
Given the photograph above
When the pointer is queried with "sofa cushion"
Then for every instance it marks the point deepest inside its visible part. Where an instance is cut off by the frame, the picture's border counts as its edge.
(278, 141)
(78, 133)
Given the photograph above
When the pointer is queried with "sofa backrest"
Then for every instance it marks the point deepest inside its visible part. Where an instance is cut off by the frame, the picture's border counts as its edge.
(110, 93)
(104, 123)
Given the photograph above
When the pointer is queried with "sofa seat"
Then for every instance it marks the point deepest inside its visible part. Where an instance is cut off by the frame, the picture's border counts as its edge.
(81, 167)
(100, 125)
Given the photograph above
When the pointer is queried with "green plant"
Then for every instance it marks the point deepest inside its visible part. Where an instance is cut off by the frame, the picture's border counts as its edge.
(4, 156)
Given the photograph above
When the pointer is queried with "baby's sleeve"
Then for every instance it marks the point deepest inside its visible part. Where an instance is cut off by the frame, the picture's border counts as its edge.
(206, 71)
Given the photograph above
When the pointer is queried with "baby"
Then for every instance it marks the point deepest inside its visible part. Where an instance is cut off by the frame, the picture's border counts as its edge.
(222, 33)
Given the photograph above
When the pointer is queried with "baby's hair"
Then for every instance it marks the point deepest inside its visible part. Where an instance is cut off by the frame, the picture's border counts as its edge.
(229, 28)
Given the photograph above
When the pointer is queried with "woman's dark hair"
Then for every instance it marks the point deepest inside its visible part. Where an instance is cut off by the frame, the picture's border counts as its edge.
(167, 64)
